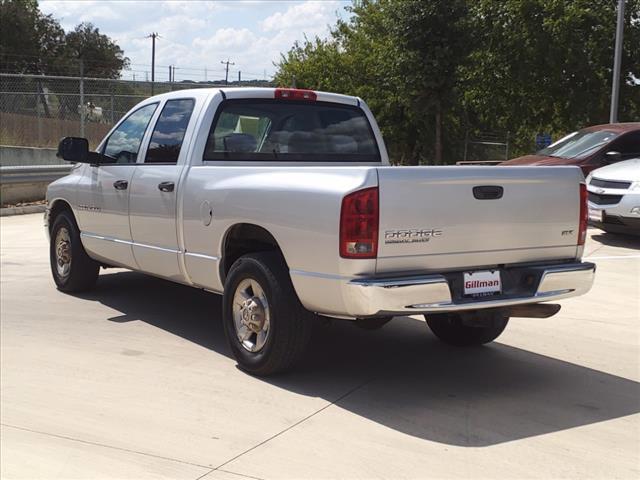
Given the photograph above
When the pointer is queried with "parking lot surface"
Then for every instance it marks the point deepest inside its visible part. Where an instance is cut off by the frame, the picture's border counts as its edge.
(134, 380)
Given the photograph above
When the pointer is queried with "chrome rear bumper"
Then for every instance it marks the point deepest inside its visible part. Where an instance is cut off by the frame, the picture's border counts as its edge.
(433, 293)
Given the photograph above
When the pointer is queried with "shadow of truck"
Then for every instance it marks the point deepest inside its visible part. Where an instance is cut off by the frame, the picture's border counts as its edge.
(401, 376)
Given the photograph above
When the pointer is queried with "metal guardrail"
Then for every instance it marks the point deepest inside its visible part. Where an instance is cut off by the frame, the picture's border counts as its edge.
(33, 173)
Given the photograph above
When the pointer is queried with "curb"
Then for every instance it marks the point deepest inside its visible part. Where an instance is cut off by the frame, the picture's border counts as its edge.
(9, 211)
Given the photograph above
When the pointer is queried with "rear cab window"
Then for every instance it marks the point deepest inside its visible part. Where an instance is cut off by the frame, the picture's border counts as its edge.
(296, 131)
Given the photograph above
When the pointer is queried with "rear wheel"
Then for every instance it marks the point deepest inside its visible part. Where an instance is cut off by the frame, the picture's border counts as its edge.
(468, 329)
(266, 327)
(72, 269)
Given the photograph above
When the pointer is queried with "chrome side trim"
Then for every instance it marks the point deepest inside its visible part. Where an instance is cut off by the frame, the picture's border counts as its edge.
(202, 256)
(104, 238)
(326, 276)
(127, 242)
(154, 247)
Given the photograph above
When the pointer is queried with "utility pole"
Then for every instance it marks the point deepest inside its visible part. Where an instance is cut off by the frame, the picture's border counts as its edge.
(239, 76)
(153, 37)
(226, 76)
(617, 59)
(170, 79)
(205, 74)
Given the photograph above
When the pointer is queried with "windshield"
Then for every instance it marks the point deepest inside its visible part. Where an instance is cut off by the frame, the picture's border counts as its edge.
(578, 144)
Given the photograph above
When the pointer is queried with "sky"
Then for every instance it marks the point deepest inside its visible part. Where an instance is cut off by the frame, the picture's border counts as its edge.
(195, 35)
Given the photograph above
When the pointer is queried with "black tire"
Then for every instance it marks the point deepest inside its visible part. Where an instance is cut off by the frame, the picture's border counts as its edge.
(290, 324)
(82, 271)
(466, 331)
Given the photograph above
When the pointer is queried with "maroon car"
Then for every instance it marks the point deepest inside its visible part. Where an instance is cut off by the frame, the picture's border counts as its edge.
(589, 148)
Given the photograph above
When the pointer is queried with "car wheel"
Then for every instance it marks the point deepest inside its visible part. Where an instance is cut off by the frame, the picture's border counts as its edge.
(265, 324)
(469, 329)
(72, 269)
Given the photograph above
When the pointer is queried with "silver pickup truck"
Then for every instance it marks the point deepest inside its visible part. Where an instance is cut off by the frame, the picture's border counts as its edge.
(283, 201)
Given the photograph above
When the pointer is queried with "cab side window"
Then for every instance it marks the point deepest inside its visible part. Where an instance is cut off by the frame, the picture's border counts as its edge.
(168, 133)
(124, 142)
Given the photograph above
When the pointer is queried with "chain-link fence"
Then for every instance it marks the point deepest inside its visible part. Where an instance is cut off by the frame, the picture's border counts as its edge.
(37, 110)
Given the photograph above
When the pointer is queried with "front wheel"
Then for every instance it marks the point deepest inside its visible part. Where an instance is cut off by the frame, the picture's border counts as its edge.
(266, 327)
(73, 270)
(467, 329)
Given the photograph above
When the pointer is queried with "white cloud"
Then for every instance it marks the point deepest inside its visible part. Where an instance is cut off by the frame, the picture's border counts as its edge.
(195, 35)
(314, 15)
(227, 38)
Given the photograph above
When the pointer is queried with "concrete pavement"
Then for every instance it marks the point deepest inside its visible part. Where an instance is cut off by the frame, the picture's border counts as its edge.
(134, 380)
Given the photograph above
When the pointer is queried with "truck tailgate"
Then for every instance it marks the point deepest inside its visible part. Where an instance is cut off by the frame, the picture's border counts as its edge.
(445, 218)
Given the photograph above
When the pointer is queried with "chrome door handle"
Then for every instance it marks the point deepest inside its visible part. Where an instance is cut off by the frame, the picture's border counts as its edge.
(166, 186)
(120, 184)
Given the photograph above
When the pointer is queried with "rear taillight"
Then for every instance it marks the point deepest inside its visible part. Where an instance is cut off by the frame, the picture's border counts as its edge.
(584, 215)
(359, 224)
(295, 94)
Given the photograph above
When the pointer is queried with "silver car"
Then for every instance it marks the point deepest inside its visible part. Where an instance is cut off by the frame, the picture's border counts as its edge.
(614, 197)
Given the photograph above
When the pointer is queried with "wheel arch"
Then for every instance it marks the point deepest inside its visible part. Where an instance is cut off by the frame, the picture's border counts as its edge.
(241, 239)
(56, 207)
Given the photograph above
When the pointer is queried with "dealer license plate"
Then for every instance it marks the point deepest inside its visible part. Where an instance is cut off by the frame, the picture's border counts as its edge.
(481, 283)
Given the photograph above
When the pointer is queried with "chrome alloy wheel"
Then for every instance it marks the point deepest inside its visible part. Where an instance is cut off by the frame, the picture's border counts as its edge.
(63, 252)
(251, 317)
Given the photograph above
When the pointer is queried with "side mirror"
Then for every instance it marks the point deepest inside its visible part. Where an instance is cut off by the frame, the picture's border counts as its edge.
(74, 149)
(612, 157)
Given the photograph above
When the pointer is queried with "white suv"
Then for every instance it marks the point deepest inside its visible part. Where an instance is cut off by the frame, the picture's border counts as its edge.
(614, 197)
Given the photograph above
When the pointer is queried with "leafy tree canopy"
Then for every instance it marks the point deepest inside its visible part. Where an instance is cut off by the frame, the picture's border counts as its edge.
(435, 71)
(31, 42)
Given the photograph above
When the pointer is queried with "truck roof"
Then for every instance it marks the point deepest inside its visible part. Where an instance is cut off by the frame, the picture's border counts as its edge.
(259, 92)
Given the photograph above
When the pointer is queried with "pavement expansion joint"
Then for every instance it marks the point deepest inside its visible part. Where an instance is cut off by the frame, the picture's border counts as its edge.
(104, 445)
(290, 427)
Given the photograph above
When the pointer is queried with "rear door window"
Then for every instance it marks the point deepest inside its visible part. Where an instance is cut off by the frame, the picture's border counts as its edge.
(276, 130)
(168, 134)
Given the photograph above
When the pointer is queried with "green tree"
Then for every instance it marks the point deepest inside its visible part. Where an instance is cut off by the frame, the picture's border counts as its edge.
(431, 43)
(101, 56)
(546, 65)
(401, 56)
(431, 71)
(30, 42)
